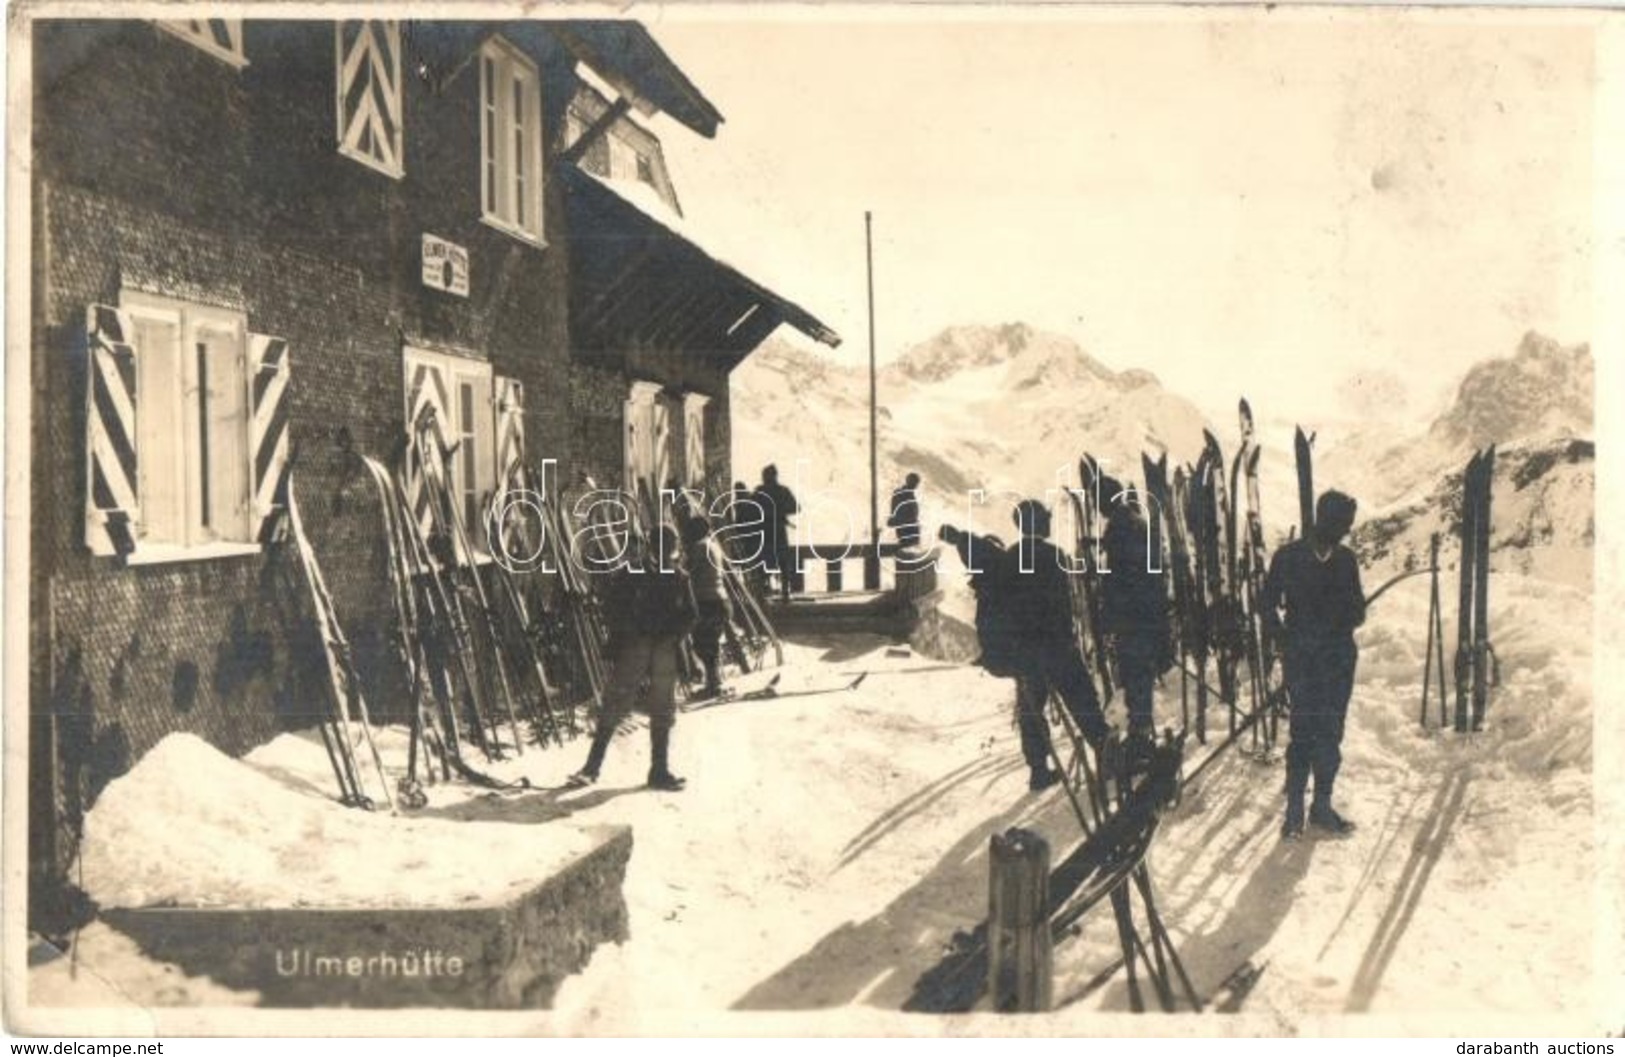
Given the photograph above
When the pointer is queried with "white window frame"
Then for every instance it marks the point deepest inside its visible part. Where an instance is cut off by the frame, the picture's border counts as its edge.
(510, 178)
(195, 31)
(196, 539)
(396, 118)
(460, 371)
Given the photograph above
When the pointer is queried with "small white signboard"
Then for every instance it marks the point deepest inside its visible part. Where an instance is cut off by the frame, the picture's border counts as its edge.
(445, 265)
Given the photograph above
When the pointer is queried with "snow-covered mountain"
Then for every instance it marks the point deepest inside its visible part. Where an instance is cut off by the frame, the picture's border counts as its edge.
(1541, 515)
(1009, 409)
(1536, 406)
(1543, 390)
(1005, 409)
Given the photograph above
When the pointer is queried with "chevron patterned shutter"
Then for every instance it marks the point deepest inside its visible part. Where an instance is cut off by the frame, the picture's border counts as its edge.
(510, 427)
(369, 93)
(428, 390)
(269, 368)
(112, 502)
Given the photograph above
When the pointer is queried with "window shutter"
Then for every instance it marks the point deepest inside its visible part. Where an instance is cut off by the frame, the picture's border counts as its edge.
(112, 504)
(427, 389)
(268, 366)
(369, 93)
(660, 468)
(510, 427)
(694, 438)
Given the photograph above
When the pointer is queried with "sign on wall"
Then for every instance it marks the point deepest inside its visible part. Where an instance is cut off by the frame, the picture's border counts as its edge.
(445, 265)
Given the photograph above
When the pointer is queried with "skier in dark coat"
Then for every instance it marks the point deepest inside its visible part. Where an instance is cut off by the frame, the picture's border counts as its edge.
(1041, 618)
(779, 504)
(1134, 609)
(654, 609)
(1317, 580)
(905, 512)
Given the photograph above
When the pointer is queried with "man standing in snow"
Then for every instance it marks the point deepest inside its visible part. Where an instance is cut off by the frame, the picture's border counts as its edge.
(905, 512)
(1134, 608)
(654, 610)
(1317, 580)
(1040, 615)
(778, 503)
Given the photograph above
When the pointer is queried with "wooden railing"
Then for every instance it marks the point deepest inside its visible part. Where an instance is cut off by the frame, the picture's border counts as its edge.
(835, 568)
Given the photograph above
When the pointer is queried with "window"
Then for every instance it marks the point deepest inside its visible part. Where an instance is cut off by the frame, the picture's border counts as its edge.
(192, 422)
(186, 430)
(646, 170)
(220, 37)
(368, 80)
(510, 140)
(459, 391)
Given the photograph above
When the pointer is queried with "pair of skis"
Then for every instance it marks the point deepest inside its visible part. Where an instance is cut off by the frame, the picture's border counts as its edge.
(1475, 657)
(1088, 600)
(572, 634)
(1263, 661)
(1212, 530)
(346, 724)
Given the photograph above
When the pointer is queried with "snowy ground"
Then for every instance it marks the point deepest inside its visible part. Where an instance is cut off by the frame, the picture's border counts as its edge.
(829, 845)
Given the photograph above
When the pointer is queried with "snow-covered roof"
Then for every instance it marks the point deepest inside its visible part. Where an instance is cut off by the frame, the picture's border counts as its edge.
(621, 227)
(623, 53)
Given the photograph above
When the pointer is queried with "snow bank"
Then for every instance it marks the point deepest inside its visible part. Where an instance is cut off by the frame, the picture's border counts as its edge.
(190, 826)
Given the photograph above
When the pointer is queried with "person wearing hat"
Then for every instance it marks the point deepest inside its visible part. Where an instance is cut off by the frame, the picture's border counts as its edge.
(905, 512)
(1050, 662)
(1316, 579)
(778, 503)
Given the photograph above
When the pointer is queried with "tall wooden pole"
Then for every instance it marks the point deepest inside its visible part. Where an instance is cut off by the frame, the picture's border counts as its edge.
(871, 565)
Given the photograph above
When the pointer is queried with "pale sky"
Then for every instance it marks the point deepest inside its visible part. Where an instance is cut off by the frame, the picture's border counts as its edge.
(1261, 204)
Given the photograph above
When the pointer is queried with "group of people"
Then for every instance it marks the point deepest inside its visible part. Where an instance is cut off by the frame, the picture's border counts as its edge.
(1311, 604)
(681, 592)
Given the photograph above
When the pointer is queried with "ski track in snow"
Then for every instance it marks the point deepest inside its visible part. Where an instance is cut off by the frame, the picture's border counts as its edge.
(829, 846)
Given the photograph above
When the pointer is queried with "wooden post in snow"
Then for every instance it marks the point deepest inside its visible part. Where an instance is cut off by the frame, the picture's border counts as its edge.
(1020, 967)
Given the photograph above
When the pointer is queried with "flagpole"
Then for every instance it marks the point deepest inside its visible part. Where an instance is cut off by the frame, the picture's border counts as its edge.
(871, 566)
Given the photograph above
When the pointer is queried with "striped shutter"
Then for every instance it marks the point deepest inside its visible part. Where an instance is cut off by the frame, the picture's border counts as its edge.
(428, 390)
(369, 93)
(660, 469)
(694, 439)
(630, 443)
(269, 367)
(112, 502)
(510, 427)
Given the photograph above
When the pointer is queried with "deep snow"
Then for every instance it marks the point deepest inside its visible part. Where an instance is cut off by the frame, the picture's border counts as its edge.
(830, 845)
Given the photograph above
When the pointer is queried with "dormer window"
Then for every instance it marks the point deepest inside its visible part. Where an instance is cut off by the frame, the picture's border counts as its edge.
(510, 141)
(368, 57)
(220, 37)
